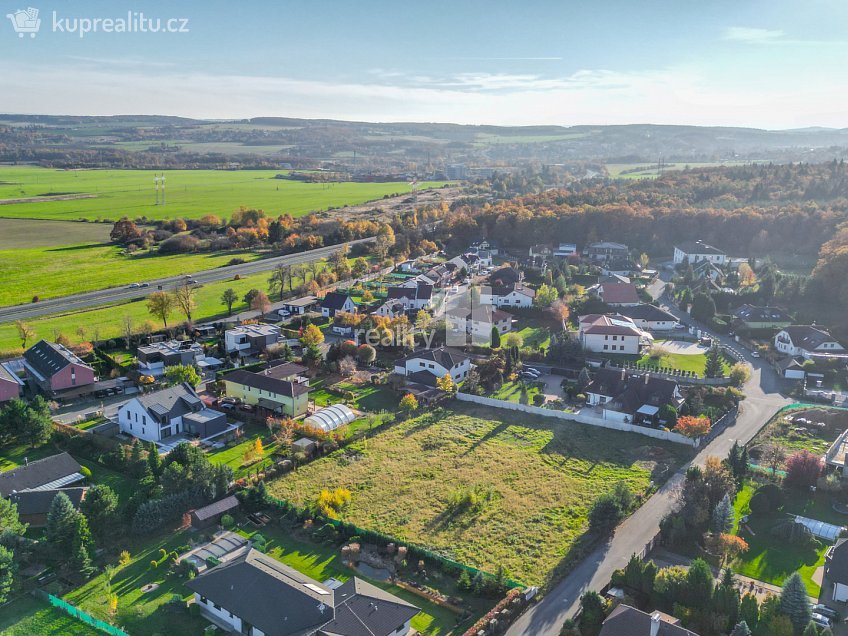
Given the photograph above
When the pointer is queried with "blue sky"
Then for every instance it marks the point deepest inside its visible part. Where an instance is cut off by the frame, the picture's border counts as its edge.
(770, 64)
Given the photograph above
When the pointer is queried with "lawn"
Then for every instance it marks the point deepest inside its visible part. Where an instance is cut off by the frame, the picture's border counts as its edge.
(111, 194)
(48, 272)
(367, 397)
(533, 480)
(12, 456)
(769, 558)
(26, 233)
(322, 561)
(140, 613)
(535, 337)
(29, 616)
(517, 392)
(233, 456)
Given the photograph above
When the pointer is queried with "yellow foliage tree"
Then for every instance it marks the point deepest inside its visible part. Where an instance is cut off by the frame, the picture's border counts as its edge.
(257, 447)
(446, 383)
(124, 559)
(332, 503)
(312, 336)
(408, 403)
(113, 603)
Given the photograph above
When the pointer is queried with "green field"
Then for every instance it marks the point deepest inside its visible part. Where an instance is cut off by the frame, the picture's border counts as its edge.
(536, 479)
(26, 233)
(48, 272)
(112, 194)
(29, 616)
(648, 170)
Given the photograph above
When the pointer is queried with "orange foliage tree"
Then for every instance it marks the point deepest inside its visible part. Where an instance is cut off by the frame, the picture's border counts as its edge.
(692, 426)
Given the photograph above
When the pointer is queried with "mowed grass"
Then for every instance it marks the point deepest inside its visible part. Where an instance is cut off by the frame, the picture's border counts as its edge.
(27, 233)
(105, 322)
(48, 272)
(540, 478)
(29, 616)
(113, 194)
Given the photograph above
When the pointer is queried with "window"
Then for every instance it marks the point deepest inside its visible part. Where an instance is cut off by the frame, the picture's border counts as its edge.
(606, 347)
(143, 420)
(217, 607)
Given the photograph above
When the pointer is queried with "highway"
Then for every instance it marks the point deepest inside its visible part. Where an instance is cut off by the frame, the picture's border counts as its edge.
(112, 295)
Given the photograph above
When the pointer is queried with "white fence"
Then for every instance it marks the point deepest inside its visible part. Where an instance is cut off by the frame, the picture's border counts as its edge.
(669, 436)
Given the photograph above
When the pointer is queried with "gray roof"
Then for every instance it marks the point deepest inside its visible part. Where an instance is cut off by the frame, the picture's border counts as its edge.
(697, 247)
(38, 473)
(334, 300)
(362, 609)
(8, 375)
(422, 291)
(37, 502)
(448, 358)
(809, 337)
(629, 621)
(266, 593)
(837, 563)
(629, 392)
(174, 401)
(48, 358)
(645, 311)
(216, 508)
(267, 383)
(752, 313)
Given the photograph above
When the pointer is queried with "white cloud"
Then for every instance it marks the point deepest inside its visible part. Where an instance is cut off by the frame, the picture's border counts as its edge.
(751, 35)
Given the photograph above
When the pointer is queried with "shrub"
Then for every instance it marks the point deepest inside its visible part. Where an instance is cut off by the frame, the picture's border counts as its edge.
(774, 494)
(604, 514)
(85, 471)
(538, 399)
(227, 521)
(803, 469)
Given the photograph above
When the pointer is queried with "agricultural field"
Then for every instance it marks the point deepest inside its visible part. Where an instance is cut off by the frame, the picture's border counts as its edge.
(72, 195)
(484, 487)
(649, 170)
(27, 234)
(49, 272)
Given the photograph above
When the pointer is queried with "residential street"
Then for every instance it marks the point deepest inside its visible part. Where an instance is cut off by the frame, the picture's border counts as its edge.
(562, 601)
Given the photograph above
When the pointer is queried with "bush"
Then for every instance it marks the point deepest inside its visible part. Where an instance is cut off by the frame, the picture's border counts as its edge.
(604, 514)
(774, 494)
(760, 504)
(85, 471)
(795, 533)
(538, 399)
(227, 521)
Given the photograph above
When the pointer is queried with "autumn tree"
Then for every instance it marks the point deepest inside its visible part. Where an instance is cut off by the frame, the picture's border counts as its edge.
(446, 383)
(408, 404)
(729, 546)
(228, 299)
(773, 456)
(184, 299)
(124, 231)
(312, 336)
(280, 275)
(258, 449)
(366, 354)
(160, 304)
(546, 295)
(692, 426)
(260, 303)
(25, 332)
(803, 469)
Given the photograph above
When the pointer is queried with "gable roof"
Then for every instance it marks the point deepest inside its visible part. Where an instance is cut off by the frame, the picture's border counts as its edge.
(174, 401)
(629, 621)
(217, 507)
(615, 293)
(335, 300)
(606, 324)
(448, 358)
(506, 275)
(697, 247)
(277, 599)
(480, 313)
(518, 288)
(421, 291)
(7, 375)
(645, 311)
(38, 502)
(280, 369)
(606, 245)
(38, 474)
(48, 358)
(752, 313)
(363, 609)
(809, 337)
(267, 382)
(629, 392)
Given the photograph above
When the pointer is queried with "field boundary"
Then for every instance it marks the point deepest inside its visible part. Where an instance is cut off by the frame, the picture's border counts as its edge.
(79, 614)
(668, 436)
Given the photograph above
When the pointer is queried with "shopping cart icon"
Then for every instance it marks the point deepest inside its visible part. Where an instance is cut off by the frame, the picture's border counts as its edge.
(25, 21)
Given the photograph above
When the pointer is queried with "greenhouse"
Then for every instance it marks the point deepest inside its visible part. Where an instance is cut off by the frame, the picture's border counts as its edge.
(330, 418)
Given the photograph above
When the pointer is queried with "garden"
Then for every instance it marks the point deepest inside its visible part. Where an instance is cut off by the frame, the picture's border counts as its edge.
(483, 491)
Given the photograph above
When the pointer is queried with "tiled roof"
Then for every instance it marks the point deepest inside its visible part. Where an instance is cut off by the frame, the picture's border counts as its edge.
(334, 300)
(629, 392)
(267, 383)
(38, 502)
(615, 293)
(809, 337)
(751, 313)
(48, 358)
(444, 356)
(610, 325)
(174, 401)
(629, 621)
(644, 311)
(38, 473)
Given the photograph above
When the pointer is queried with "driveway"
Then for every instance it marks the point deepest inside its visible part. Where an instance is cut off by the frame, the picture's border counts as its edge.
(681, 347)
(79, 410)
(763, 400)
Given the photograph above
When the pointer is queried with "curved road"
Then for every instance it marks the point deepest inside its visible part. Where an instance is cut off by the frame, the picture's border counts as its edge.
(763, 400)
(111, 295)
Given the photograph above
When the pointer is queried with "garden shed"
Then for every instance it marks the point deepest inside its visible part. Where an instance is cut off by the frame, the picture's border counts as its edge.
(211, 514)
(331, 417)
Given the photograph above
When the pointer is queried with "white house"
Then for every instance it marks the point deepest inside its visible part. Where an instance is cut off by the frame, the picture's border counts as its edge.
(565, 250)
(251, 338)
(619, 294)
(436, 363)
(156, 416)
(697, 251)
(256, 595)
(412, 297)
(650, 317)
(603, 333)
(836, 570)
(335, 302)
(508, 295)
(478, 322)
(631, 398)
(605, 251)
(807, 341)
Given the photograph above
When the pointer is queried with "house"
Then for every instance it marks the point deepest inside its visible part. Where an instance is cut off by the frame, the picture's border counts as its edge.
(605, 333)
(621, 267)
(211, 515)
(407, 267)
(792, 368)
(389, 309)
(629, 621)
(479, 322)
(11, 386)
(153, 358)
(506, 275)
(707, 270)
(696, 251)
(619, 294)
(335, 302)
(300, 306)
(435, 363)
(650, 317)
(630, 397)
(58, 371)
(606, 251)
(50, 473)
(807, 341)
(485, 258)
(565, 250)
(247, 340)
(507, 295)
(256, 595)
(752, 317)
(486, 244)
(438, 276)
(34, 505)
(836, 570)
(269, 390)
(414, 297)
(156, 416)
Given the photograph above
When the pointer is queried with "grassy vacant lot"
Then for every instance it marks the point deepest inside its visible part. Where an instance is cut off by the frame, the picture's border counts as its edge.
(367, 397)
(769, 558)
(26, 233)
(48, 272)
(106, 321)
(794, 437)
(13, 456)
(111, 194)
(321, 562)
(140, 613)
(513, 392)
(484, 486)
(28, 616)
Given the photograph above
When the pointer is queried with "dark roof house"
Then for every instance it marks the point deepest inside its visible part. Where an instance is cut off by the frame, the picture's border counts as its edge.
(56, 369)
(56, 471)
(629, 621)
(627, 393)
(33, 505)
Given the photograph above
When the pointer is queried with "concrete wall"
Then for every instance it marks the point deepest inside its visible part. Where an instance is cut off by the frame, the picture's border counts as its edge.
(578, 417)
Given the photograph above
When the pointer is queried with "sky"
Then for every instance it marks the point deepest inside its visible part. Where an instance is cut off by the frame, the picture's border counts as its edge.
(773, 64)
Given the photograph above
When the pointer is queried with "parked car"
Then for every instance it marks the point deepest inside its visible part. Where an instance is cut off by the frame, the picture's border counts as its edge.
(230, 400)
(680, 325)
(226, 406)
(821, 621)
(145, 284)
(533, 370)
(755, 354)
(824, 610)
(528, 376)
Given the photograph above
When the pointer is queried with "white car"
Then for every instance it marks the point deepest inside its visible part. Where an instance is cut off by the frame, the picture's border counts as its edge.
(755, 354)
(134, 285)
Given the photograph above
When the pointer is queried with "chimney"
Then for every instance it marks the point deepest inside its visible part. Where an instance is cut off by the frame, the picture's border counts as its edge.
(647, 377)
(655, 623)
(623, 374)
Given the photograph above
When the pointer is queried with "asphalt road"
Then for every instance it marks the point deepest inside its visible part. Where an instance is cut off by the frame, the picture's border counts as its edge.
(763, 400)
(112, 295)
